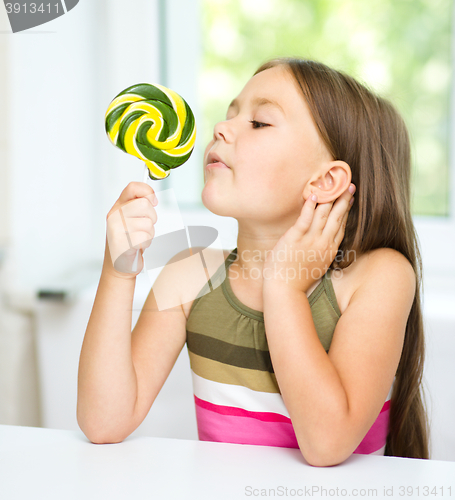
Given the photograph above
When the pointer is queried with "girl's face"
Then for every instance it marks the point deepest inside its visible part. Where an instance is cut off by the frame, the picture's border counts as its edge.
(271, 145)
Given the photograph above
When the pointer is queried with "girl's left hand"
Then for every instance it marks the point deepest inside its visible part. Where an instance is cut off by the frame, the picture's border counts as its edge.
(304, 253)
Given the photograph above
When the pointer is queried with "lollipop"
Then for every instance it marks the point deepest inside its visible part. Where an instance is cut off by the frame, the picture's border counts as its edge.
(153, 123)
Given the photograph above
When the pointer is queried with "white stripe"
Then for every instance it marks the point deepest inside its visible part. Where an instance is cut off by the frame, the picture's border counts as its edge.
(238, 396)
(389, 395)
(242, 397)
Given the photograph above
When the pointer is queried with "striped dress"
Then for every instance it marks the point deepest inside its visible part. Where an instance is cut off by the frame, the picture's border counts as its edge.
(236, 394)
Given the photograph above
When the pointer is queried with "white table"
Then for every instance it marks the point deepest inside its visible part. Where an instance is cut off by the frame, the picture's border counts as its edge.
(52, 464)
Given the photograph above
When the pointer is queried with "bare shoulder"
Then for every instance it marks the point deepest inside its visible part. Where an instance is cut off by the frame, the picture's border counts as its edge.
(189, 265)
(391, 265)
(381, 268)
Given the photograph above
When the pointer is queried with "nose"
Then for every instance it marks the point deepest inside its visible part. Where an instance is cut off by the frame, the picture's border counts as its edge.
(221, 131)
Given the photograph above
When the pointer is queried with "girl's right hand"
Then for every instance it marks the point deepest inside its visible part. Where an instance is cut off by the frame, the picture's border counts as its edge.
(130, 227)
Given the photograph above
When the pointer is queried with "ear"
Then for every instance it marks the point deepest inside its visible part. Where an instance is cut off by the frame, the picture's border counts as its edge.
(330, 182)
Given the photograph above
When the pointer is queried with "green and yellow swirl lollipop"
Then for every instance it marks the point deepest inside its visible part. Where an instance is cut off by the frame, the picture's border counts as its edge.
(154, 124)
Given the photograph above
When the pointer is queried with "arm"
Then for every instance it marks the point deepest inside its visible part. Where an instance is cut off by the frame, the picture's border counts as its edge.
(121, 372)
(333, 399)
(107, 383)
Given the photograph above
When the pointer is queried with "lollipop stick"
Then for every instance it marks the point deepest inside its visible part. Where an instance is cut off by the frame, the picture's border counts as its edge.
(146, 174)
(145, 177)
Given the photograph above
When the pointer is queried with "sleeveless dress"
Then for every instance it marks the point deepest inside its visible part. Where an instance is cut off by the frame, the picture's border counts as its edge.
(236, 394)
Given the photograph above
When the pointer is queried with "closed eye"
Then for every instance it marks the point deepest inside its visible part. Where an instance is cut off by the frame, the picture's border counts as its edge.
(258, 124)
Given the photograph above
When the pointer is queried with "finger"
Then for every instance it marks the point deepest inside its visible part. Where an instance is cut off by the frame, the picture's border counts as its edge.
(321, 216)
(144, 222)
(341, 232)
(140, 207)
(136, 190)
(334, 221)
(305, 219)
(139, 226)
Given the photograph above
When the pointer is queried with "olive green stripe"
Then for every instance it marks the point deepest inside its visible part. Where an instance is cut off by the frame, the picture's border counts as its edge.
(230, 354)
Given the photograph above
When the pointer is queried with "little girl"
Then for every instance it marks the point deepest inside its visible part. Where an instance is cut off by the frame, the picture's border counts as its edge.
(310, 334)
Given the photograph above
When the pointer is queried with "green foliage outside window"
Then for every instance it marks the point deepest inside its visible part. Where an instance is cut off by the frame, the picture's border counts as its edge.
(398, 48)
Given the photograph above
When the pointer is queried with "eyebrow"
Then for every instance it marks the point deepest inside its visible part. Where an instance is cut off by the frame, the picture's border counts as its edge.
(259, 101)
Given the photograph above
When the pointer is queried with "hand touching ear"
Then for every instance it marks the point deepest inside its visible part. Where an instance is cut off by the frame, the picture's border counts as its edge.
(310, 245)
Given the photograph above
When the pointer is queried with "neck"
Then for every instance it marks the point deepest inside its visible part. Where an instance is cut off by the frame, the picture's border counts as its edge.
(255, 242)
(251, 255)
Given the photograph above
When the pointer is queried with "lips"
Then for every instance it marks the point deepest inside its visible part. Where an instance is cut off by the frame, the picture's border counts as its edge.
(215, 160)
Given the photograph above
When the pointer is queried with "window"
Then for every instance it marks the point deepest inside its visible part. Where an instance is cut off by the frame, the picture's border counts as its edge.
(399, 48)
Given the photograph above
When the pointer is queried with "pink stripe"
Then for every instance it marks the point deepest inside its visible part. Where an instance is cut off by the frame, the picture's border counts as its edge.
(386, 406)
(227, 424)
(226, 428)
(376, 437)
(240, 412)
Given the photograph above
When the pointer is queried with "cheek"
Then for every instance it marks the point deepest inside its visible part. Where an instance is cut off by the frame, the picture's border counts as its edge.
(265, 159)
(275, 166)
(285, 179)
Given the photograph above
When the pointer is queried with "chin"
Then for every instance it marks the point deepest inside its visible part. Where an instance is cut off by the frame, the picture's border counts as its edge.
(215, 203)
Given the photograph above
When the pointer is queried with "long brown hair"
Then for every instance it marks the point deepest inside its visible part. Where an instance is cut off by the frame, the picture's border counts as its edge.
(367, 132)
